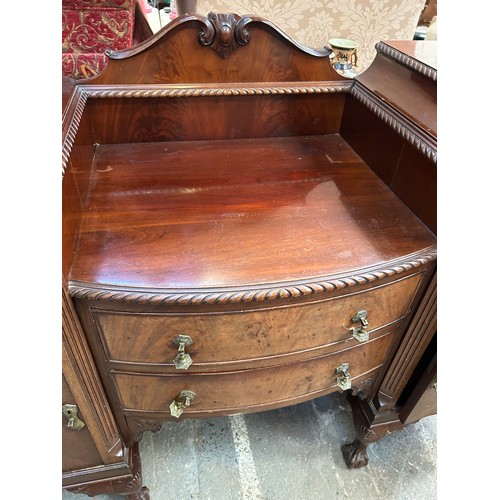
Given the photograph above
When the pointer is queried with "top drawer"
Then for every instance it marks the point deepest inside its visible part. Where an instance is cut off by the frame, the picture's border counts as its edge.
(233, 337)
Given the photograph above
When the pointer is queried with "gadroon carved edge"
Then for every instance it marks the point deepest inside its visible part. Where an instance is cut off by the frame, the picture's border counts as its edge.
(407, 60)
(70, 129)
(393, 118)
(213, 90)
(243, 295)
(71, 122)
(406, 129)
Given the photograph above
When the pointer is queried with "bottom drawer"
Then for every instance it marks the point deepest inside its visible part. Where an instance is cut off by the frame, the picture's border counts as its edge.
(250, 390)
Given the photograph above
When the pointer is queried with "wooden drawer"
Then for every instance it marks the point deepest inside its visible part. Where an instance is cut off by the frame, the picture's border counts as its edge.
(250, 390)
(230, 338)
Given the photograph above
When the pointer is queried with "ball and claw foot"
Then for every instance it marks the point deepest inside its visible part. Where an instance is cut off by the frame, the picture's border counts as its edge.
(141, 495)
(355, 454)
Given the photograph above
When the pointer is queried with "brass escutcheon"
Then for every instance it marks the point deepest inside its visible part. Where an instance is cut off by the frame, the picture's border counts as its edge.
(360, 333)
(177, 406)
(344, 377)
(71, 413)
(183, 360)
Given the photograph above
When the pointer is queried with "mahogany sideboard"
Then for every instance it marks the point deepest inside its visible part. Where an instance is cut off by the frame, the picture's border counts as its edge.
(244, 229)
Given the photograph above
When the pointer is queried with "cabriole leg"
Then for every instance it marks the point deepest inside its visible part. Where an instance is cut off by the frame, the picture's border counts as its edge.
(370, 427)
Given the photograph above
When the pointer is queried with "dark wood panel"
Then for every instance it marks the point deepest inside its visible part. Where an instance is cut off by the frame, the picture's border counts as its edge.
(244, 390)
(422, 401)
(409, 173)
(204, 214)
(75, 180)
(124, 478)
(407, 90)
(124, 120)
(81, 373)
(67, 88)
(142, 29)
(268, 56)
(376, 142)
(422, 328)
(251, 335)
(78, 448)
(415, 182)
(72, 209)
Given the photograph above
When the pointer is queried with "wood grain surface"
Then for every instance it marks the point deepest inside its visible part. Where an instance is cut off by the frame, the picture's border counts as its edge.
(78, 449)
(234, 340)
(409, 92)
(128, 120)
(175, 55)
(236, 392)
(239, 212)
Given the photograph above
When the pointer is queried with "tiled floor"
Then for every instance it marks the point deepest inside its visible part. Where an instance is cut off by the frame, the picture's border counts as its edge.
(287, 454)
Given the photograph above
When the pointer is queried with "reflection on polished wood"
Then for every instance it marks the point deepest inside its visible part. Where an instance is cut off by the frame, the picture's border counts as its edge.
(224, 183)
(237, 212)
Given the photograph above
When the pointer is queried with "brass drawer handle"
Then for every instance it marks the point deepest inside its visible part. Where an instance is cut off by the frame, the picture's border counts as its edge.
(71, 413)
(183, 360)
(344, 377)
(177, 406)
(360, 333)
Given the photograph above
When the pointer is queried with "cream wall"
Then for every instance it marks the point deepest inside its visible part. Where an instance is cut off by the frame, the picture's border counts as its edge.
(314, 22)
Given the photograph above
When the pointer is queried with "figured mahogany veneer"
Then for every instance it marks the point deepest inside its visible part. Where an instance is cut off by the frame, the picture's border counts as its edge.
(239, 339)
(223, 182)
(224, 393)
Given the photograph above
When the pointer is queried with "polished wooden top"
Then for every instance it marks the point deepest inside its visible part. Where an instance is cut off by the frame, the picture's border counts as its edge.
(398, 78)
(424, 51)
(229, 213)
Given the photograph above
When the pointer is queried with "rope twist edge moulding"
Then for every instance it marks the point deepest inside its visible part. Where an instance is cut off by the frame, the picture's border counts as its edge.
(413, 135)
(70, 128)
(407, 60)
(211, 91)
(196, 297)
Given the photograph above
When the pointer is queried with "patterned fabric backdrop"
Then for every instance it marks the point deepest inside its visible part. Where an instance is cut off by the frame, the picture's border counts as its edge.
(314, 22)
(89, 27)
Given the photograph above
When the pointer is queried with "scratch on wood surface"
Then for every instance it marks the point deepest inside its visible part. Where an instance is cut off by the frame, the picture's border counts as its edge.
(107, 169)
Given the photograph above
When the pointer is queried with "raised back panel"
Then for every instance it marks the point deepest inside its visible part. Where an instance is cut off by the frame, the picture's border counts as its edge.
(219, 77)
(221, 48)
(122, 120)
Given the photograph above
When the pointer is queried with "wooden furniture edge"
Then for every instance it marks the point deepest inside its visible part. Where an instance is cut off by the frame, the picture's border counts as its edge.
(419, 333)
(216, 89)
(120, 479)
(86, 386)
(378, 415)
(406, 60)
(405, 128)
(250, 294)
(223, 32)
(70, 123)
